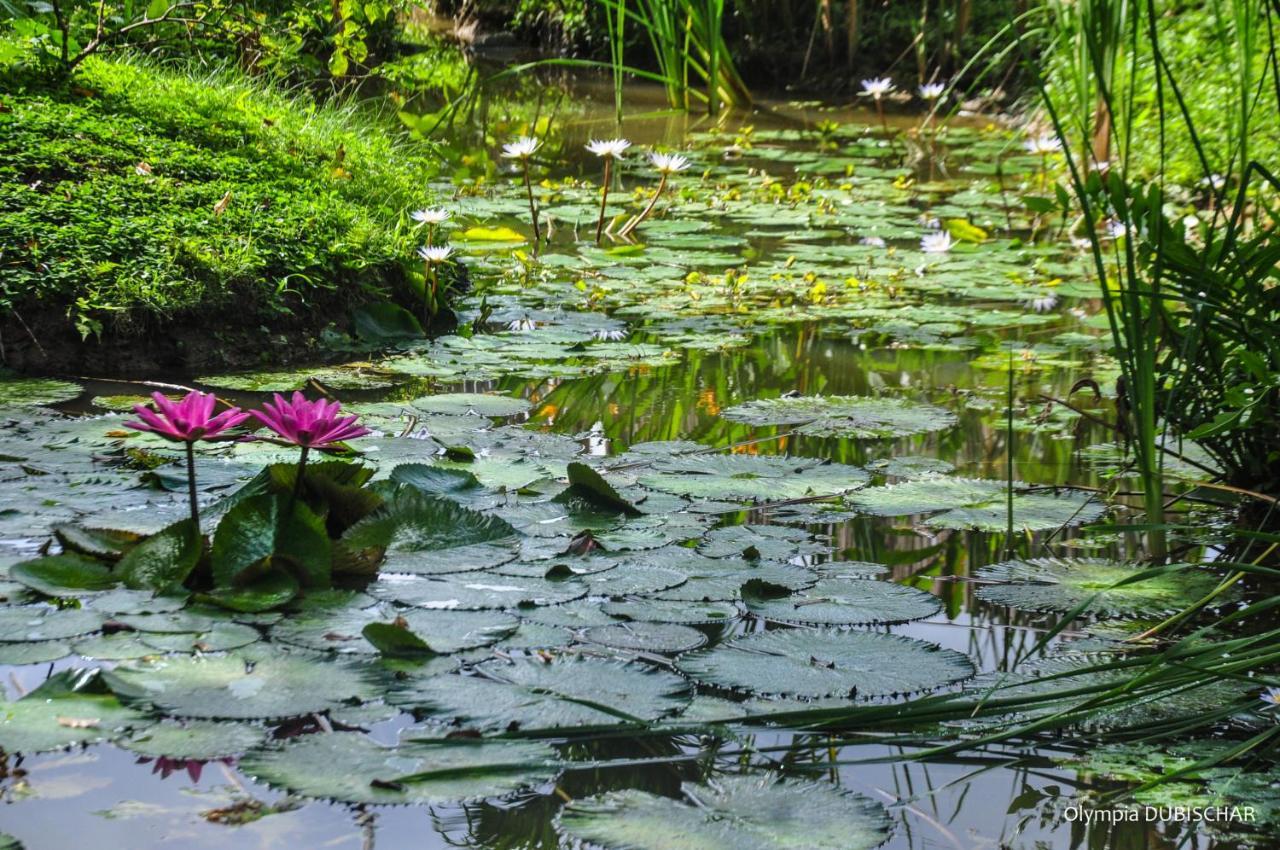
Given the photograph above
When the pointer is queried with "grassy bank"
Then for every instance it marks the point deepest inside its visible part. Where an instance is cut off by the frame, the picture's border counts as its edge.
(137, 204)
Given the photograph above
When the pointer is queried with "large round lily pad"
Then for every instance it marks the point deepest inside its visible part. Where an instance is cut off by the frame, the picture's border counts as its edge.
(824, 663)
(353, 768)
(569, 692)
(754, 478)
(245, 685)
(1062, 584)
(739, 812)
(844, 416)
(475, 591)
(978, 504)
(848, 602)
(197, 739)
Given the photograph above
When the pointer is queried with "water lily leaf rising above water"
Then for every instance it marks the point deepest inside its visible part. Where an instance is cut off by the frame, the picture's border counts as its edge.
(1061, 584)
(978, 504)
(68, 574)
(739, 812)
(824, 663)
(201, 740)
(846, 602)
(751, 477)
(844, 416)
(353, 768)
(244, 685)
(567, 692)
(652, 637)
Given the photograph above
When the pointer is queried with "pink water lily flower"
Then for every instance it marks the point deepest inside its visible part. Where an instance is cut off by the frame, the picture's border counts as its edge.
(185, 421)
(309, 424)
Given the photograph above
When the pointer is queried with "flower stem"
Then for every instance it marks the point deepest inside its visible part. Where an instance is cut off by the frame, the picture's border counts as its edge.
(191, 485)
(533, 209)
(297, 483)
(604, 196)
(635, 222)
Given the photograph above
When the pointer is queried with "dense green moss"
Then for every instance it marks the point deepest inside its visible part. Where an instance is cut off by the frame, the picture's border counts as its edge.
(133, 198)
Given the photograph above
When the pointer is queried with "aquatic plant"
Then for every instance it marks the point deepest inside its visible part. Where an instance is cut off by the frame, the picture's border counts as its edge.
(188, 422)
(523, 149)
(432, 218)
(666, 164)
(432, 257)
(876, 88)
(308, 425)
(937, 242)
(608, 150)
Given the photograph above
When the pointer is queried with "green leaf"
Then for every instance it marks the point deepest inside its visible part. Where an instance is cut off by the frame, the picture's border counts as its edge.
(844, 416)
(162, 562)
(244, 538)
(395, 640)
(490, 234)
(386, 323)
(435, 480)
(64, 575)
(103, 543)
(590, 485)
(740, 812)
(270, 591)
(412, 521)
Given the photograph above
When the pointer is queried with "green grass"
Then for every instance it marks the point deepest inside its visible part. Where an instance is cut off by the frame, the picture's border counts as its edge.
(312, 225)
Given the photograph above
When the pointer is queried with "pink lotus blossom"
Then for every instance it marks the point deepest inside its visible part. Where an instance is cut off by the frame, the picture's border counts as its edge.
(185, 421)
(309, 424)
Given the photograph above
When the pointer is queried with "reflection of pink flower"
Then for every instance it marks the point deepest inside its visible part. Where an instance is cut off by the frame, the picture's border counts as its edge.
(309, 424)
(186, 421)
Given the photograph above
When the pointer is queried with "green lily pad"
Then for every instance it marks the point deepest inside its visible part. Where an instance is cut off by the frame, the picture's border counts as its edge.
(980, 504)
(200, 740)
(844, 602)
(474, 592)
(844, 416)
(68, 574)
(244, 685)
(1061, 584)
(569, 692)
(650, 637)
(753, 478)
(742, 812)
(479, 404)
(352, 768)
(34, 624)
(15, 390)
(806, 663)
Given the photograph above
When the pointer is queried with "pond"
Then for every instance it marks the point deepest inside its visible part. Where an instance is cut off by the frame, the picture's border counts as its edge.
(818, 396)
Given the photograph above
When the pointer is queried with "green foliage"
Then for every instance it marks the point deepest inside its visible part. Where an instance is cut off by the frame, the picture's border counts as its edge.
(242, 202)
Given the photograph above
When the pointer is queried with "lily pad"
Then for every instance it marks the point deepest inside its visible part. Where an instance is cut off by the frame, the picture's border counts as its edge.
(742, 812)
(844, 602)
(200, 740)
(753, 478)
(980, 504)
(826, 663)
(1061, 584)
(479, 404)
(651, 637)
(844, 416)
(352, 768)
(569, 692)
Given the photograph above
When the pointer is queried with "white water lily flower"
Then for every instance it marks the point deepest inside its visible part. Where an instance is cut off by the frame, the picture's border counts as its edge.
(1271, 696)
(1116, 228)
(522, 325)
(521, 148)
(1045, 143)
(1213, 181)
(435, 255)
(873, 241)
(877, 87)
(609, 335)
(614, 148)
(668, 163)
(1044, 303)
(938, 242)
(431, 216)
(932, 91)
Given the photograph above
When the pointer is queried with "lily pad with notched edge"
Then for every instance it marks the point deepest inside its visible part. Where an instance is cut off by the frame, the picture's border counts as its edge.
(980, 504)
(824, 663)
(741, 812)
(1062, 584)
(651, 637)
(352, 768)
(845, 602)
(200, 740)
(844, 416)
(754, 478)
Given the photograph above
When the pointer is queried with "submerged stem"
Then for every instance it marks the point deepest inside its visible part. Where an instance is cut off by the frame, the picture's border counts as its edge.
(297, 482)
(533, 209)
(604, 196)
(191, 485)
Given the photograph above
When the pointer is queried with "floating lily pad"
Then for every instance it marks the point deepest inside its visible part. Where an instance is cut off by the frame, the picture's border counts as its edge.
(244, 685)
(569, 692)
(36, 723)
(352, 768)
(33, 653)
(651, 637)
(682, 611)
(742, 812)
(468, 592)
(751, 477)
(978, 504)
(807, 663)
(1061, 584)
(200, 740)
(33, 624)
(339, 628)
(15, 390)
(844, 602)
(756, 542)
(479, 404)
(844, 416)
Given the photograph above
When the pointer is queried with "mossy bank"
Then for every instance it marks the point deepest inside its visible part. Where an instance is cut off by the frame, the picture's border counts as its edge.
(152, 219)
